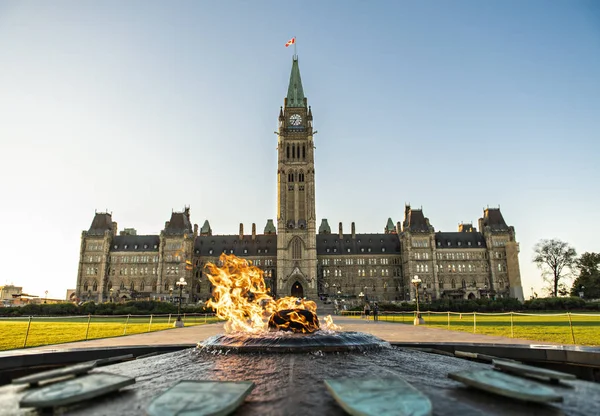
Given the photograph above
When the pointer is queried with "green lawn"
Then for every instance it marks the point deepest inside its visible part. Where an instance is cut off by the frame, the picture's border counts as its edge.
(541, 327)
(57, 330)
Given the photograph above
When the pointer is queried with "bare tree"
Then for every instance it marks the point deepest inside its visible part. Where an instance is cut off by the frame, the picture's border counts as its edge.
(553, 257)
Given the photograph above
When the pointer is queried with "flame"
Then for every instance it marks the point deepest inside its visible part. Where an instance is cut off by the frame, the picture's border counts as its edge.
(241, 297)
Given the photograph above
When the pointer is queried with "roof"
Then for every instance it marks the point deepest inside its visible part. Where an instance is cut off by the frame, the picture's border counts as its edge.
(332, 244)
(459, 239)
(138, 243)
(102, 222)
(270, 227)
(206, 228)
(415, 221)
(214, 245)
(295, 95)
(324, 228)
(390, 225)
(492, 217)
(179, 224)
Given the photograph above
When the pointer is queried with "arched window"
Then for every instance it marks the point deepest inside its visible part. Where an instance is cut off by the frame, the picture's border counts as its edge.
(453, 284)
(296, 249)
(166, 285)
(132, 287)
(441, 283)
(288, 151)
(303, 152)
(85, 287)
(142, 286)
(293, 151)
(464, 284)
(122, 287)
(154, 287)
(95, 287)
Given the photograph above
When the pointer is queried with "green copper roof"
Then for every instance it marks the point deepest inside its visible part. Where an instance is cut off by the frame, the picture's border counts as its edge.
(270, 227)
(295, 95)
(390, 225)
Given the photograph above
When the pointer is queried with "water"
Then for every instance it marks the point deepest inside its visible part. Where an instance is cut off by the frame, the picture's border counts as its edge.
(292, 384)
(288, 342)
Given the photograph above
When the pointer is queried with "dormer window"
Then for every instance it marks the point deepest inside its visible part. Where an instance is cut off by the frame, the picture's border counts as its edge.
(210, 251)
(369, 249)
(362, 249)
(469, 243)
(115, 246)
(155, 246)
(266, 250)
(259, 250)
(383, 249)
(136, 246)
(245, 251)
(145, 245)
(479, 243)
(335, 250)
(328, 250)
(348, 250)
(459, 243)
(125, 246)
(197, 251)
(439, 244)
(448, 243)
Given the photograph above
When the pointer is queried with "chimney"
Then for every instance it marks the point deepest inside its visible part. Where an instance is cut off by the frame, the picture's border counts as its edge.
(253, 231)
(195, 230)
(115, 228)
(241, 231)
(353, 231)
(398, 227)
(341, 232)
(166, 224)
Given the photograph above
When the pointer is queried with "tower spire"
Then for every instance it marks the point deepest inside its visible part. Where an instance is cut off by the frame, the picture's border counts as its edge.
(295, 95)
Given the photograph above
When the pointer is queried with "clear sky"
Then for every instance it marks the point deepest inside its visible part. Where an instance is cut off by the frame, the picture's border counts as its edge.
(141, 107)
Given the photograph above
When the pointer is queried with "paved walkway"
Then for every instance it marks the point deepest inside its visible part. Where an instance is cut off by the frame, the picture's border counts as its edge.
(389, 331)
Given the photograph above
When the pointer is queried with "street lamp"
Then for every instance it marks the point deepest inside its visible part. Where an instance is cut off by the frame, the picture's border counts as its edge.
(181, 283)
(46, 298)
(416, 281)
(171, 294)
(581, 291)
(111, 291)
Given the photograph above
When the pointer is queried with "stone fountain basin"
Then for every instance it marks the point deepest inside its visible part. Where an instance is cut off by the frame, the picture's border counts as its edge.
(289, 342)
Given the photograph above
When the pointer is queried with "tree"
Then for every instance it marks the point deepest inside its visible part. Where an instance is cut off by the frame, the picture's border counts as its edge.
(588, 279)
(553, 257)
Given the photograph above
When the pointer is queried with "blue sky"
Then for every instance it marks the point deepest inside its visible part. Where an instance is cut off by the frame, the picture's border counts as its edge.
(141, 107)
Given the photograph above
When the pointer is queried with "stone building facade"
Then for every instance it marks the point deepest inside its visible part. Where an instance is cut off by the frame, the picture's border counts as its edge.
(298, 259)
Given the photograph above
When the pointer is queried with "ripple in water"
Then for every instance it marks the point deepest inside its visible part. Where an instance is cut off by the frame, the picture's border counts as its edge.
(287, 342)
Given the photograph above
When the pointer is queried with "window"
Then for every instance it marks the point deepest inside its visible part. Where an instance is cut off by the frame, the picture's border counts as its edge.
(296, 249)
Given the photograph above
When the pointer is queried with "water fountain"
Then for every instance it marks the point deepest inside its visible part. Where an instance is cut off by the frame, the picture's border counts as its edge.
(283, 347)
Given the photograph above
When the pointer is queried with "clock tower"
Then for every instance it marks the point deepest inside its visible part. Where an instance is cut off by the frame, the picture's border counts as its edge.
(296, 220)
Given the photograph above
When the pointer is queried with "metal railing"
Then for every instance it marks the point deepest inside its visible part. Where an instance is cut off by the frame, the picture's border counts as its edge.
(30, 331)
(539, 326)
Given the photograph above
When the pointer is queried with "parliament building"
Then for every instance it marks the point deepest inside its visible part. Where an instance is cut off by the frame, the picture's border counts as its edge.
(299, 256)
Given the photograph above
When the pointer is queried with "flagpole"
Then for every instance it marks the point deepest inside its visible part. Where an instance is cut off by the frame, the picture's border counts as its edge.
(295, 50)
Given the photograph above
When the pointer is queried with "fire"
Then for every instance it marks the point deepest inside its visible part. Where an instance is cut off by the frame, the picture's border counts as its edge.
(241, 297)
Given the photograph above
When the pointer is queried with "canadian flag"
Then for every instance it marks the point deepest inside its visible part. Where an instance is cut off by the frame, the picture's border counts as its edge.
(290, 42)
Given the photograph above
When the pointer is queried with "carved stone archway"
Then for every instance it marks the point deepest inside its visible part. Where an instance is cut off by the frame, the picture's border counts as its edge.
(297, 290)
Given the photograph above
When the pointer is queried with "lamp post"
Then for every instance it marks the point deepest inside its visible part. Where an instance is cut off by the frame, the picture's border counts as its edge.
(181, 283)
(581, 291)
(171, 294)
(416, 281)
(46, 298)
(111, 294)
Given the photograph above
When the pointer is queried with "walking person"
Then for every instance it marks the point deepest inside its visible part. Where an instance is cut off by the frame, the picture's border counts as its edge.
(367, 310)
(376, 312)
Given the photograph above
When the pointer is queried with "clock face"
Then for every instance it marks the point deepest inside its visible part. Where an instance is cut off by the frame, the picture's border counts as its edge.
(295, 119)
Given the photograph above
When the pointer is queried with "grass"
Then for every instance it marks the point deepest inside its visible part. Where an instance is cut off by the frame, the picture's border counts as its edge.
(57, 330)
(541, 328)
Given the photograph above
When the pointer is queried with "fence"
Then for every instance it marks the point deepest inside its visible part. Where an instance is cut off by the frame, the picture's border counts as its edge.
(569, 327)
(22, 332)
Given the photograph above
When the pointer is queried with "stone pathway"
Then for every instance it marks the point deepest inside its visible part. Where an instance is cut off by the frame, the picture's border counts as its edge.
(389, 331)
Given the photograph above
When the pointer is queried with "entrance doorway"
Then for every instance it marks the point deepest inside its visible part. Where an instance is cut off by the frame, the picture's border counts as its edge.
(297, 290)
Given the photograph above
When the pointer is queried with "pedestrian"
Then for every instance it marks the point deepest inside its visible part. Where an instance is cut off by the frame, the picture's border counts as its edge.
(367, 311)
(376, 312)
